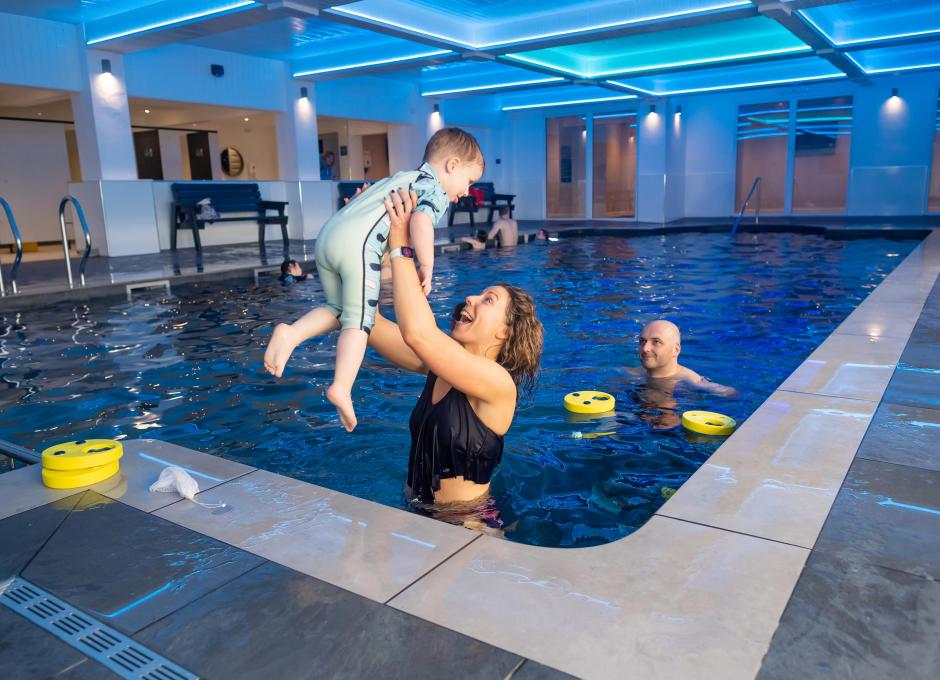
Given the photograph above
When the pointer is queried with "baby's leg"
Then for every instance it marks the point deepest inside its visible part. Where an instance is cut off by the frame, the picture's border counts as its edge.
(287, 337)
(350, 351)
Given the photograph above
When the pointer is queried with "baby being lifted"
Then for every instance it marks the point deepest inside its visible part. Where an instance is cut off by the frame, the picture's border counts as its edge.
(349, 252)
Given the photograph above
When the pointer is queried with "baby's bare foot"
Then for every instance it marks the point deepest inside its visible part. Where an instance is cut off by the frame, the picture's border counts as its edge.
(282, 344)
(342, 400)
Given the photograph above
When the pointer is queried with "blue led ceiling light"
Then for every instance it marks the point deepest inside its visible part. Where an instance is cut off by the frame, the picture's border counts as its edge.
(570, 102)
(145, 20)
(862, 22)
(737, 40)
(804, 69)
(897, 58)
(374, 62)
(494, 86)
(493, 24)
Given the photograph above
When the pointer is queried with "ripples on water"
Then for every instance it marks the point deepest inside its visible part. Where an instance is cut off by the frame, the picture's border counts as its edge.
(187, 369)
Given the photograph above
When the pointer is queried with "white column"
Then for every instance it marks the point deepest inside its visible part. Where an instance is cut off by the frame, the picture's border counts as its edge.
(296, 128)
(102, 121)
(651, 164)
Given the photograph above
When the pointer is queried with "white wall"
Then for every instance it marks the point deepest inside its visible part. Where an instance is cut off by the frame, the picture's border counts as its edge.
(39, 53)
(34, 176)
(182, 73)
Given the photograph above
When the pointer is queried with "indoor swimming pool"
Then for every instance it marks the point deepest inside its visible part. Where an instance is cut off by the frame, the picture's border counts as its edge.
(187, 368)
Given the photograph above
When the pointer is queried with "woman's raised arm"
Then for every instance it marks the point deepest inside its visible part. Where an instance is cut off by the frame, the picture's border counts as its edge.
(474, 375)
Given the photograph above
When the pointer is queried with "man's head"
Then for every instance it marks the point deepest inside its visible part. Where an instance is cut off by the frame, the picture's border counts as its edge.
(457, 159)
(504, 211)
(659, 345)
(329, 158)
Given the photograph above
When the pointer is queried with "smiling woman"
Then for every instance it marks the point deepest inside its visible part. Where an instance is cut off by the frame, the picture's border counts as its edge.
(473, 375)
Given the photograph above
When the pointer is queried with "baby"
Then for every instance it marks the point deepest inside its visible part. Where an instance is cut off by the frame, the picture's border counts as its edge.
(349, 252)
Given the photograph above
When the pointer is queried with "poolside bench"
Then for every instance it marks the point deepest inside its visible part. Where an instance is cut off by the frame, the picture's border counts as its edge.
(233, 201)
(491, 202)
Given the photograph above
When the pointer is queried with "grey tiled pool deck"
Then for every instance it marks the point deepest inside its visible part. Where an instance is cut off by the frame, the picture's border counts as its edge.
(807, 546)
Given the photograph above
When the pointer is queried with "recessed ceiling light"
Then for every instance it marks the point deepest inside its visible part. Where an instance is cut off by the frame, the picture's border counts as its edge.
(146, 110)
(246, 119)
(39, 113)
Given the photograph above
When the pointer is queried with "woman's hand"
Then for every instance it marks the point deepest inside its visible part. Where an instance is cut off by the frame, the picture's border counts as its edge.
(399, 205)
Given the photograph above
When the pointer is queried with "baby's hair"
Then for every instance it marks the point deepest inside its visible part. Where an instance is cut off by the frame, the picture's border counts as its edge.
(453, 141)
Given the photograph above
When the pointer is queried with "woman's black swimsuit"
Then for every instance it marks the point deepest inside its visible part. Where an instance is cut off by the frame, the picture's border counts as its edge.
(448, 440)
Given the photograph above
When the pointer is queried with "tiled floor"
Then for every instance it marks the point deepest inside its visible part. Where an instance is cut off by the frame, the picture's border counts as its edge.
(867, 605)
(219, 611)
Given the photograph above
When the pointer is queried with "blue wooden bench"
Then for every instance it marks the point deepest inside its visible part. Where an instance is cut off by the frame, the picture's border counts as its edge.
(232, 201)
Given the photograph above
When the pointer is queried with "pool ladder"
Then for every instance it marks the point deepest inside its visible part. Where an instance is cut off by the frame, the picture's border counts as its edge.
(19, 248)
(77, 207)
(754, 187)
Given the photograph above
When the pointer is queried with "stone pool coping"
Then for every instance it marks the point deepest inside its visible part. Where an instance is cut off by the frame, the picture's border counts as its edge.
(698, 590)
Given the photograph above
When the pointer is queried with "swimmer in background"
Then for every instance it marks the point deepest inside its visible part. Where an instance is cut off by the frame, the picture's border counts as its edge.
(658, 348)
(505, 229)
(291, 273)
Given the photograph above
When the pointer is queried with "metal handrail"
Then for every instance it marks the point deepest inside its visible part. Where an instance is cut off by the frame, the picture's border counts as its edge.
(756, 185)
(18, 452)
(65, 240)
(19, 248)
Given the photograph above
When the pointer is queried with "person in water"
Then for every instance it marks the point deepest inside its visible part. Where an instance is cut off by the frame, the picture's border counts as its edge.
(475, 374)
(658, 349)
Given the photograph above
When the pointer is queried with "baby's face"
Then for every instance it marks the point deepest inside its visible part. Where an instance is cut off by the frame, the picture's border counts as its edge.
(295, 270)
(458, 176)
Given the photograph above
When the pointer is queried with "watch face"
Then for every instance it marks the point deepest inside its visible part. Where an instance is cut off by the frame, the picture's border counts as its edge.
(407, 252)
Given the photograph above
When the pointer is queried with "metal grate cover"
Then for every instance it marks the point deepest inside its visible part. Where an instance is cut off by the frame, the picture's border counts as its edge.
(113, 649)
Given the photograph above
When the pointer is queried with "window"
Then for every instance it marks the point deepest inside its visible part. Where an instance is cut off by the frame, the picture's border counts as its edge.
(566, 139)
(821, 146)
(614, 165)
(763, 135)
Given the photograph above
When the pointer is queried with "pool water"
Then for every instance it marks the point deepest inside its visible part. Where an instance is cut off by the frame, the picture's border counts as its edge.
(187, 369)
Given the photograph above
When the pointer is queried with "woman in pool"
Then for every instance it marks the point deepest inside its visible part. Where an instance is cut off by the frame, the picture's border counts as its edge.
(474, 374)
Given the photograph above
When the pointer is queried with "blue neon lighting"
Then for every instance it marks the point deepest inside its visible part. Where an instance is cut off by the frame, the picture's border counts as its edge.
(615, 115)
(375, 62)
(735, 86)
(593, 100)
(374, 17)
(494, 86)
(865, 22)
(897, 58)
(193, 16)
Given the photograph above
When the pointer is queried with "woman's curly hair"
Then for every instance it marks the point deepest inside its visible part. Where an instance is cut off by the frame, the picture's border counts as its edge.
(521, 352)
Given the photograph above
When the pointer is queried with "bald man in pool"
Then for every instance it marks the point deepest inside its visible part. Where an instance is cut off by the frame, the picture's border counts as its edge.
(658, 348)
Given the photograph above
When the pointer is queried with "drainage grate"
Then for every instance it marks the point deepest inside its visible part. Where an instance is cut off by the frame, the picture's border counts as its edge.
(119, 653)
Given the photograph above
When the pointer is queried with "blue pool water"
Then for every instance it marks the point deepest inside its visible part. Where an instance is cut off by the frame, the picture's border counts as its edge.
(187, 369)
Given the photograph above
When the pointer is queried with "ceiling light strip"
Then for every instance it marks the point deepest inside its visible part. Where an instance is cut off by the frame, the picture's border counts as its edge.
(475, 88)
(241, 4)
(376, 62)
(865, 41)
(717, 7)
(518, 107)
(736, 86)
(675, 64)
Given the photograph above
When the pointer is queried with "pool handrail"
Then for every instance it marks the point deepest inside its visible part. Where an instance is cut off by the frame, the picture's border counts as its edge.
(755, 186)
(19, 248)
(17, 452)
(65, 240)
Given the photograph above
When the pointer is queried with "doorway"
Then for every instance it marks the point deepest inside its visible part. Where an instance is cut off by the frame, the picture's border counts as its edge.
(200, 165)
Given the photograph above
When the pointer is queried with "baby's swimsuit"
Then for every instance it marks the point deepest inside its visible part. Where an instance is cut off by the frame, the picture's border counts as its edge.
(448, 440)
(350, 246)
